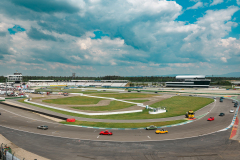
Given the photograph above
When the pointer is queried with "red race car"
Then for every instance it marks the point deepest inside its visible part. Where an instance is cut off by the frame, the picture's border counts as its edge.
(105, 133)
(210, 118)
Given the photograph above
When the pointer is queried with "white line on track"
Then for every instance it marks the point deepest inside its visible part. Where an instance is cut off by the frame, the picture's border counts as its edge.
(149, 137)
(98, 136)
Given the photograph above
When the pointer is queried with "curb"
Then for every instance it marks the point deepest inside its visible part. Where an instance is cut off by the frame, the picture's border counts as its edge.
(234, 119)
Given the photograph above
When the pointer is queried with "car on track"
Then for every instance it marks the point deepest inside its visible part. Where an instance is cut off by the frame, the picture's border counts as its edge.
(211, 119)
(156, 92)
(43, 127)
(152, 127)
(214, 97)
(138, 91)
(0, 114)
(233, 101)
(162, 131)
(222, 114)
(129, 91)
(231, 111)
(105, 133)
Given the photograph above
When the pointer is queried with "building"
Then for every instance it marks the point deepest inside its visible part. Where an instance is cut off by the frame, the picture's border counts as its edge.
(16, 78)
(83, 83)
(190, 81)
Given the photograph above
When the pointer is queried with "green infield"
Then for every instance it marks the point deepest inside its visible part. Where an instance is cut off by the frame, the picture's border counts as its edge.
(123, 125)
(114, 105)
(179, 105)
(77, 100)
(140, 115)
(126, 95)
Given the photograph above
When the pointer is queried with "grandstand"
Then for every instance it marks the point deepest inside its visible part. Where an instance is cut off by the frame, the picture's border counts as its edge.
(84, 83)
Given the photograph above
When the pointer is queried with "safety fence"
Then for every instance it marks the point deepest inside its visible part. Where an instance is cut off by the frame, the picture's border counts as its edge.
(6, 153)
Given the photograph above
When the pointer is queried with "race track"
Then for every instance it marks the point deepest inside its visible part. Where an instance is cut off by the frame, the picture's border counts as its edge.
(139, 142)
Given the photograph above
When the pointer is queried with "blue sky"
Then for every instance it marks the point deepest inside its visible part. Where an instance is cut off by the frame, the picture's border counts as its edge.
(122, 37)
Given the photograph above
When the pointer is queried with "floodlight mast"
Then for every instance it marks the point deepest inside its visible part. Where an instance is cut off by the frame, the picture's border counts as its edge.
(6, 85)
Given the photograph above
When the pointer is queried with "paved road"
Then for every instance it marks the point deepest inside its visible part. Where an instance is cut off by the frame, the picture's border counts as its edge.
(18, 121)
(215, 146)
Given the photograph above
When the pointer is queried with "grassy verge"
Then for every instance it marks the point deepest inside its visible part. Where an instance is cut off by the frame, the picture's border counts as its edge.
(130, 116)
(178, 105)
(114, 105)
(123, 125)
(76, 100)
(126, 95)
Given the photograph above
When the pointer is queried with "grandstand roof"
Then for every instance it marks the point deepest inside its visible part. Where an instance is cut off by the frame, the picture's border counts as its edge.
(190, 76)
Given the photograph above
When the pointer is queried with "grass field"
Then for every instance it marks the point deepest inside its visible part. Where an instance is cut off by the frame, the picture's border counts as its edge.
(77, 100)
(141, 115)
(179, 105)
(114, 105)
(126, 95)
(123, 125)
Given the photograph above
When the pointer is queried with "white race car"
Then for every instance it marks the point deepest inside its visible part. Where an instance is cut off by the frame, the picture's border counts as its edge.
(231, 111)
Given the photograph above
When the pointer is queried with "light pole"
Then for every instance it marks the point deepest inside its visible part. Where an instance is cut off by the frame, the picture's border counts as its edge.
(6, 85)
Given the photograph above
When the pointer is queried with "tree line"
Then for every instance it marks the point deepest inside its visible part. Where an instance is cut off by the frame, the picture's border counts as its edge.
(220, 80)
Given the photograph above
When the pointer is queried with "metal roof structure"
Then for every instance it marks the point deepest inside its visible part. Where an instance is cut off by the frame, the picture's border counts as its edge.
(190, 76)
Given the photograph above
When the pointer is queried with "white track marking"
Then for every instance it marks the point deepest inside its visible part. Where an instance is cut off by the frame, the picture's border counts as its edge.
(149, 137)
(98, 136)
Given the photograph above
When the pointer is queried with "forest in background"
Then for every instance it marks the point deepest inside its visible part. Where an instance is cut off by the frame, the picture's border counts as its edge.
(214, 80)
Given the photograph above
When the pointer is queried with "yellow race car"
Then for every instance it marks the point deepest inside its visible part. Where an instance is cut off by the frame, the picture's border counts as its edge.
(162, 131)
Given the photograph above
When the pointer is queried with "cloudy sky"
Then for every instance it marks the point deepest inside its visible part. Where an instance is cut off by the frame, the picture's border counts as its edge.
(120, 37)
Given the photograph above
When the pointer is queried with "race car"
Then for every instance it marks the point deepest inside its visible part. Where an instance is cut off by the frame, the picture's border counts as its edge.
(231, 111)
(162, 131)
(151, 127)
(43, 127)
(221, 114)
(105, 133)
(210, 118)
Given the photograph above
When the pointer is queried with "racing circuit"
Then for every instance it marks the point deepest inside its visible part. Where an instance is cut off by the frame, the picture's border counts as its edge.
(197, 137)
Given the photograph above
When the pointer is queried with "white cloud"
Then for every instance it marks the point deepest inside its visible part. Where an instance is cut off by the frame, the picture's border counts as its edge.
(215, 2)
(128, 10)
(224, 59)
(196, 6)
(144, 35)
(238, 2)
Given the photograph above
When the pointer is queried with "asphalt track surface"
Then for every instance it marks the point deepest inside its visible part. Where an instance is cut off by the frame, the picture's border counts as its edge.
(83, 143)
